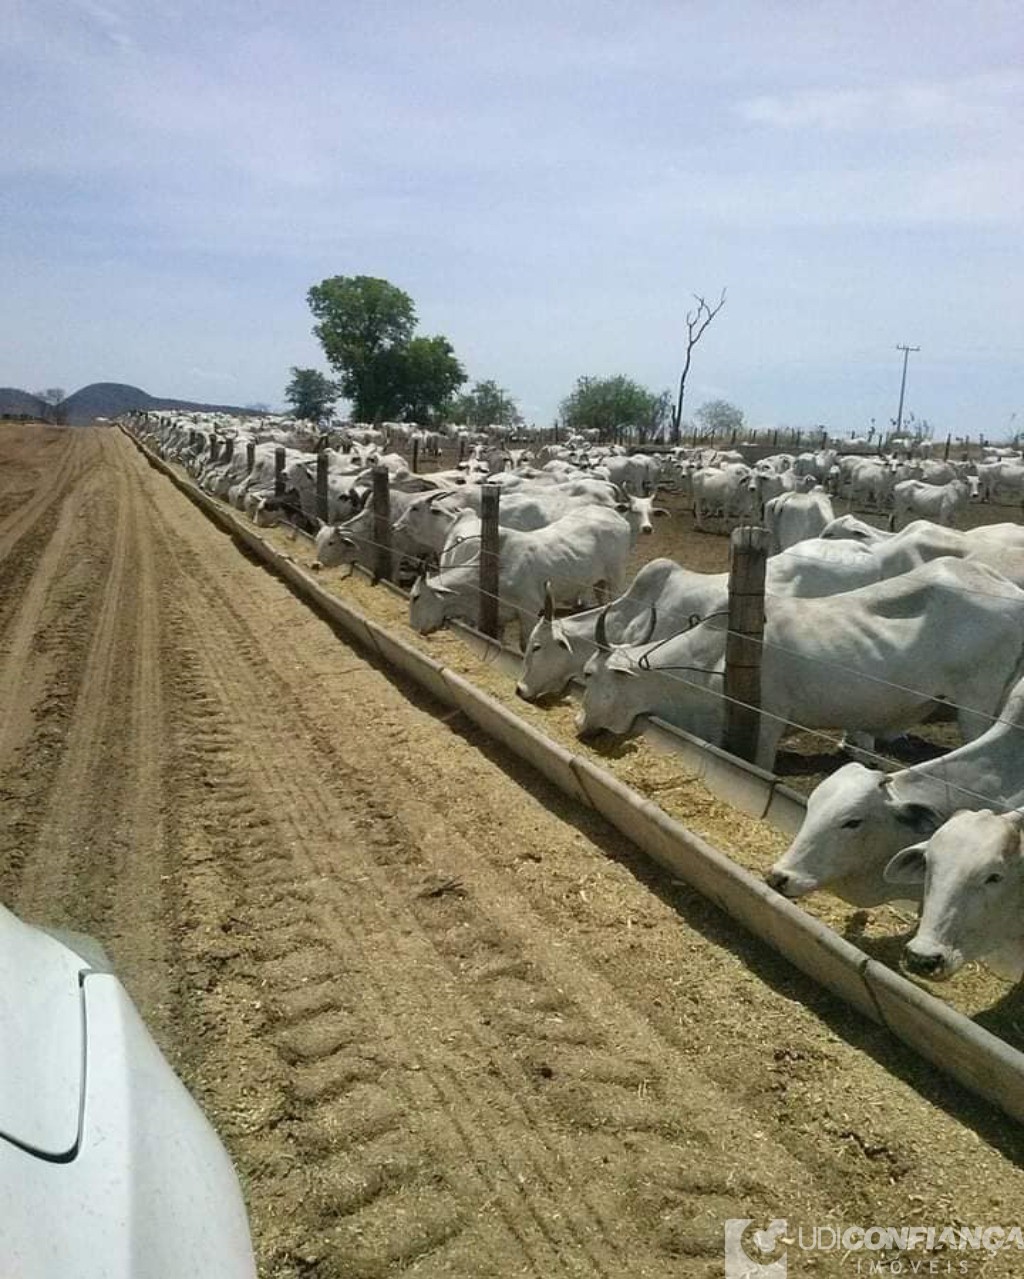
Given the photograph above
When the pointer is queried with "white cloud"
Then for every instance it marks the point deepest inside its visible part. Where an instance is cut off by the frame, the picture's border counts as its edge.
(968, 102)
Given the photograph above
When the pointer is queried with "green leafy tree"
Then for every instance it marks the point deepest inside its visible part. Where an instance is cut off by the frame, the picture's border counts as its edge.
(366, 328)
(362, 322)
(310, 394)
(605, 404)
(426, 375)
(485, 404)
(718, 418)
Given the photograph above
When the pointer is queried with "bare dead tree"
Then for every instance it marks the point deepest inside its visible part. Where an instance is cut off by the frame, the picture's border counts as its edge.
(696, 323)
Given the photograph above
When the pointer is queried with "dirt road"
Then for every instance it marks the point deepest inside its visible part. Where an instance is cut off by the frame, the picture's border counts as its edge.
(445, 1022)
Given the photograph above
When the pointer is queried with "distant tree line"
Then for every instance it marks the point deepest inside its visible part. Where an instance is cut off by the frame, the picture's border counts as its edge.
(388, 372)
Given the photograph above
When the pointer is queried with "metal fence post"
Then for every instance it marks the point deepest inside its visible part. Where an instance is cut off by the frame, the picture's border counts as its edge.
(748, 556)
(489, 559)
(382, 566)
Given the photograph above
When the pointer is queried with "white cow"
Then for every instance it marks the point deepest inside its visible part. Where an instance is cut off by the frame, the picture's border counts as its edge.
(875, 660)
(971, 874)
(793, 517)
(859, 818)
(663, 599)
(939, 502)
(583, 550)
(353, 541)
(1001, 481)
(720, 493)
(869, 481)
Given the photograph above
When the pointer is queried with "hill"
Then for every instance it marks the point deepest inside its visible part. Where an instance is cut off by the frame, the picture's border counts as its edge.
(15, 403)
(111, 399)
(100, 399)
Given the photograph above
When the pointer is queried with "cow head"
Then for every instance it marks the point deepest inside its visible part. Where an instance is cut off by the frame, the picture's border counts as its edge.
(971, 874)
(549, 662)
(855, 822)
(430, 603)
(334, 546)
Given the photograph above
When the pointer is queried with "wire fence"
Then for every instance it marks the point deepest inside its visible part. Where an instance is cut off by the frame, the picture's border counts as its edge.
(641, 663)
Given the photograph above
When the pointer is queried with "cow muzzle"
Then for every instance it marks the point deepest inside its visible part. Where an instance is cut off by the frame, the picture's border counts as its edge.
(787, 884)
(926, 963)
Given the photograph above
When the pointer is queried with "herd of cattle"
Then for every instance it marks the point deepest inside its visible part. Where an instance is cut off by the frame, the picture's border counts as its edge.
(866, 631)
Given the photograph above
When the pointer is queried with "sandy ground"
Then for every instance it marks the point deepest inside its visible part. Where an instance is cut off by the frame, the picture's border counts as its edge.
(445, 1021)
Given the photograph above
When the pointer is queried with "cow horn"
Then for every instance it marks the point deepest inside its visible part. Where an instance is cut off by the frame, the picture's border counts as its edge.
(601, 631)
(549, 603)
(650, 629)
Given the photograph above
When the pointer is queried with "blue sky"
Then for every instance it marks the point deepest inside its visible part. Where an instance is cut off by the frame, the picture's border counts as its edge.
(550, 182)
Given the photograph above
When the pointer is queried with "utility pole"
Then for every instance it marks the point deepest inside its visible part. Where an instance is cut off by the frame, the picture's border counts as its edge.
(903, 383)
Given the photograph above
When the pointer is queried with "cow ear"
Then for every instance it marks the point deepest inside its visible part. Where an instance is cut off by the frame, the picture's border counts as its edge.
(907, 867)
(919, 818)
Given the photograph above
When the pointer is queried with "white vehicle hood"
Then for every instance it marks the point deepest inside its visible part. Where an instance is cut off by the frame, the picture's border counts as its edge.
(108, 1168)
(42, 1040)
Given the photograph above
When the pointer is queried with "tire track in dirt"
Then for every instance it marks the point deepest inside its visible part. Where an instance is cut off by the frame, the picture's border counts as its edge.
(47, 494)
(311, 823)
(49, 627)
(49, 870)
(141, 887)
(19, 685)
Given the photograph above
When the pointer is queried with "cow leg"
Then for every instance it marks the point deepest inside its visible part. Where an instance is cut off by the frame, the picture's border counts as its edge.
(772, 729)
(859, 746)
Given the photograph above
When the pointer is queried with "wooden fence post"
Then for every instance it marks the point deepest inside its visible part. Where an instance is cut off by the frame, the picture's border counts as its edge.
(214, 448)
(250, 454)
(322, 463)
(462, 447)
(748, 556)
(279, 456)
(489, 559)
(945, 454)
(415, 455)
(382, 566)
(229, 448)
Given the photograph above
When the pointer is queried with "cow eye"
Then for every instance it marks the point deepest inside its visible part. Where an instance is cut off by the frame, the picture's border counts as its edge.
(853, 823)
(535, 649)
(994, 878)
